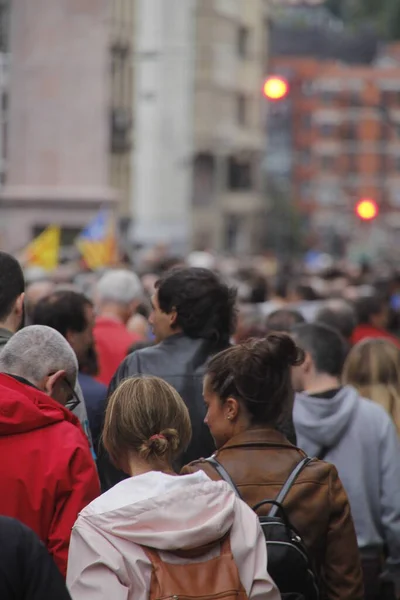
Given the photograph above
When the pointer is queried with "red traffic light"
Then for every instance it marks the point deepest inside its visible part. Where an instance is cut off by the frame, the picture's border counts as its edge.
(275, 88)
(367, 209)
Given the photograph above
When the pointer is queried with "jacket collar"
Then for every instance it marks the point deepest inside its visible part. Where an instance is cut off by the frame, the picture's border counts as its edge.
(5, 334)
(23, 380)
(260, 436)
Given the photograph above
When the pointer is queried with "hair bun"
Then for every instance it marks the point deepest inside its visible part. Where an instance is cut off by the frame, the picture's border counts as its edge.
(280, 348)
(158, 445)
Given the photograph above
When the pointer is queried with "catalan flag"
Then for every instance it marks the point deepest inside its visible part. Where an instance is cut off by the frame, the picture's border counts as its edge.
(43, 251)
(97, 243)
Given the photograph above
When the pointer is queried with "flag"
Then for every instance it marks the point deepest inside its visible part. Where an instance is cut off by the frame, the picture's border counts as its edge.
(43, 251)
(97, 243)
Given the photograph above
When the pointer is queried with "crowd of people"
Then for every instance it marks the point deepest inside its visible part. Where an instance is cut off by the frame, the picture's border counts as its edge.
(199, 432)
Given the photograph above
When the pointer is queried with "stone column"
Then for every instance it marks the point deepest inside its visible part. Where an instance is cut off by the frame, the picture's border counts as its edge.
(163, 109)
(58, 147)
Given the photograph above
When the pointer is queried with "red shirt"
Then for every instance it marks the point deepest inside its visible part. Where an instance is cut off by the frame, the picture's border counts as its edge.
(362, 332)
(47, 472)
(112, 343)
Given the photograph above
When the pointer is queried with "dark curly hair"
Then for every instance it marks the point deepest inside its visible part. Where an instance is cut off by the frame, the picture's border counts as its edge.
(12, 283)
(63, 310)
(205, 305)
(258, 374)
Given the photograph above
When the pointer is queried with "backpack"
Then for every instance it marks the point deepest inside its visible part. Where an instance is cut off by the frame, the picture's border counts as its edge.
(289, 563)
(216, 578)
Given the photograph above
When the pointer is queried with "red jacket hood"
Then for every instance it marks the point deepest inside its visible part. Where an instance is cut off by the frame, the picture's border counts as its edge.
(24, 408)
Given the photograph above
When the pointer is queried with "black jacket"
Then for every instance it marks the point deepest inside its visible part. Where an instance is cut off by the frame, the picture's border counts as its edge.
(27, 571)
(180, 361)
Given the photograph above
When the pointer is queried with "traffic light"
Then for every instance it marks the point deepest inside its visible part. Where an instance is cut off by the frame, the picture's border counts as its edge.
(275, 88)
(367, 209)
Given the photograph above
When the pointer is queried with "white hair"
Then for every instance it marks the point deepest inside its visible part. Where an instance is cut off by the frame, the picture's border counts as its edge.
(119, 285)
(37, 351)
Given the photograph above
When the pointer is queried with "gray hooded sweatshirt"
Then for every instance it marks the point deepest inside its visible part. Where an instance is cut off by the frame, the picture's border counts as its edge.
(363, 445)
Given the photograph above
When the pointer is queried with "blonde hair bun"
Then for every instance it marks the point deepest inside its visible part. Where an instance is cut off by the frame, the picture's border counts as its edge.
(158, 445)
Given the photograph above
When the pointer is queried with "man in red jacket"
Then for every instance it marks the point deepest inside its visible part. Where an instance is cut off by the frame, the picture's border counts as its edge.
(47, 473)
(118, 294)
(373, 319)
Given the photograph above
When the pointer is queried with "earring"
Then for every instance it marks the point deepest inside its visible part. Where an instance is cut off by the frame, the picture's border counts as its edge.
(229, 418)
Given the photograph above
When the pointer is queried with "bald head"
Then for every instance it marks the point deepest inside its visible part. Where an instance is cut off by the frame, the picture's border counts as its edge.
(38, 352)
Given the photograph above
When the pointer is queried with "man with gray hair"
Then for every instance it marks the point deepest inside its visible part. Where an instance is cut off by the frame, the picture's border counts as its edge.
(47, 472)
(118, 294)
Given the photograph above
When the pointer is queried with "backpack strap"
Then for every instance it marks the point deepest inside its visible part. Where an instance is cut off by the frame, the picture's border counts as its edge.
(288, 485)
(223, 473)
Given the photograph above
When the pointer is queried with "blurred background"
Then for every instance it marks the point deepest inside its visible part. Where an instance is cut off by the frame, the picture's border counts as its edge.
(252, 130)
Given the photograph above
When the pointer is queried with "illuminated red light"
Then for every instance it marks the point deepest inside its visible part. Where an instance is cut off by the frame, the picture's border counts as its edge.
(367, 209)
(275, 88)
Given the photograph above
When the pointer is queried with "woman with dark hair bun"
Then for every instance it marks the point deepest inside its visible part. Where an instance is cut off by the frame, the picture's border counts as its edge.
(249, 394)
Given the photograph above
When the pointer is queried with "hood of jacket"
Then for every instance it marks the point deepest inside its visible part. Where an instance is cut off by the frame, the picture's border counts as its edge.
(164, 511)
(24, 408)
(324, 421)
(5, 336)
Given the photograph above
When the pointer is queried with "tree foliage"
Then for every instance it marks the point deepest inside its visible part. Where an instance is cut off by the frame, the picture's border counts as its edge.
(381, 15)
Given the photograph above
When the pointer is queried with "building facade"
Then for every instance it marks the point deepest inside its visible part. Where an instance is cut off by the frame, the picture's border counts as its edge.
(58, 115)
(156, 112)
(341, 143)
(229, 203)
(122, 60)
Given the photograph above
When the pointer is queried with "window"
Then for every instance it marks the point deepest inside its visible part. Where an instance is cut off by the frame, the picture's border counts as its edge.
(306, 121)
(239, 173)
(354, 99)
(327, 195)
(395, 197)
(383, 163)
(305, 157)
(305, 190)
(350, 132)
(327, 97)
(352, 163)
(307, 88)
(4, 102)
(241, 109)
(327, 162)
(121, 127)
(232, 229)
(203, 179)
(243, 35)
(327, 129)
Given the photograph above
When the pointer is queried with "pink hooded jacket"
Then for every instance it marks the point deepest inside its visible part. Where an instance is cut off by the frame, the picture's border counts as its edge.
(167, 513)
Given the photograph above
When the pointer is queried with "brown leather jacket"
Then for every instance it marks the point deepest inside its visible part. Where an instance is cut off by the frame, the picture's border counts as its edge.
(259, 461)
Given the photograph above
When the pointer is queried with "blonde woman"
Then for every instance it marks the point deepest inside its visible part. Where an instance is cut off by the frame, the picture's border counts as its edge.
(373, 368)
(156, 534)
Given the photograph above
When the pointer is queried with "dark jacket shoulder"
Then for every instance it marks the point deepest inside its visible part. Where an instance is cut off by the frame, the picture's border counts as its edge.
(181, 361)
(27, 571)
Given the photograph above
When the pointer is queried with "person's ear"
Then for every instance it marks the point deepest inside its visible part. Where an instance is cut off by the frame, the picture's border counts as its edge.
(19, 305)
(52, 384)
(173, 316)
(231, 408)
(308, 364)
